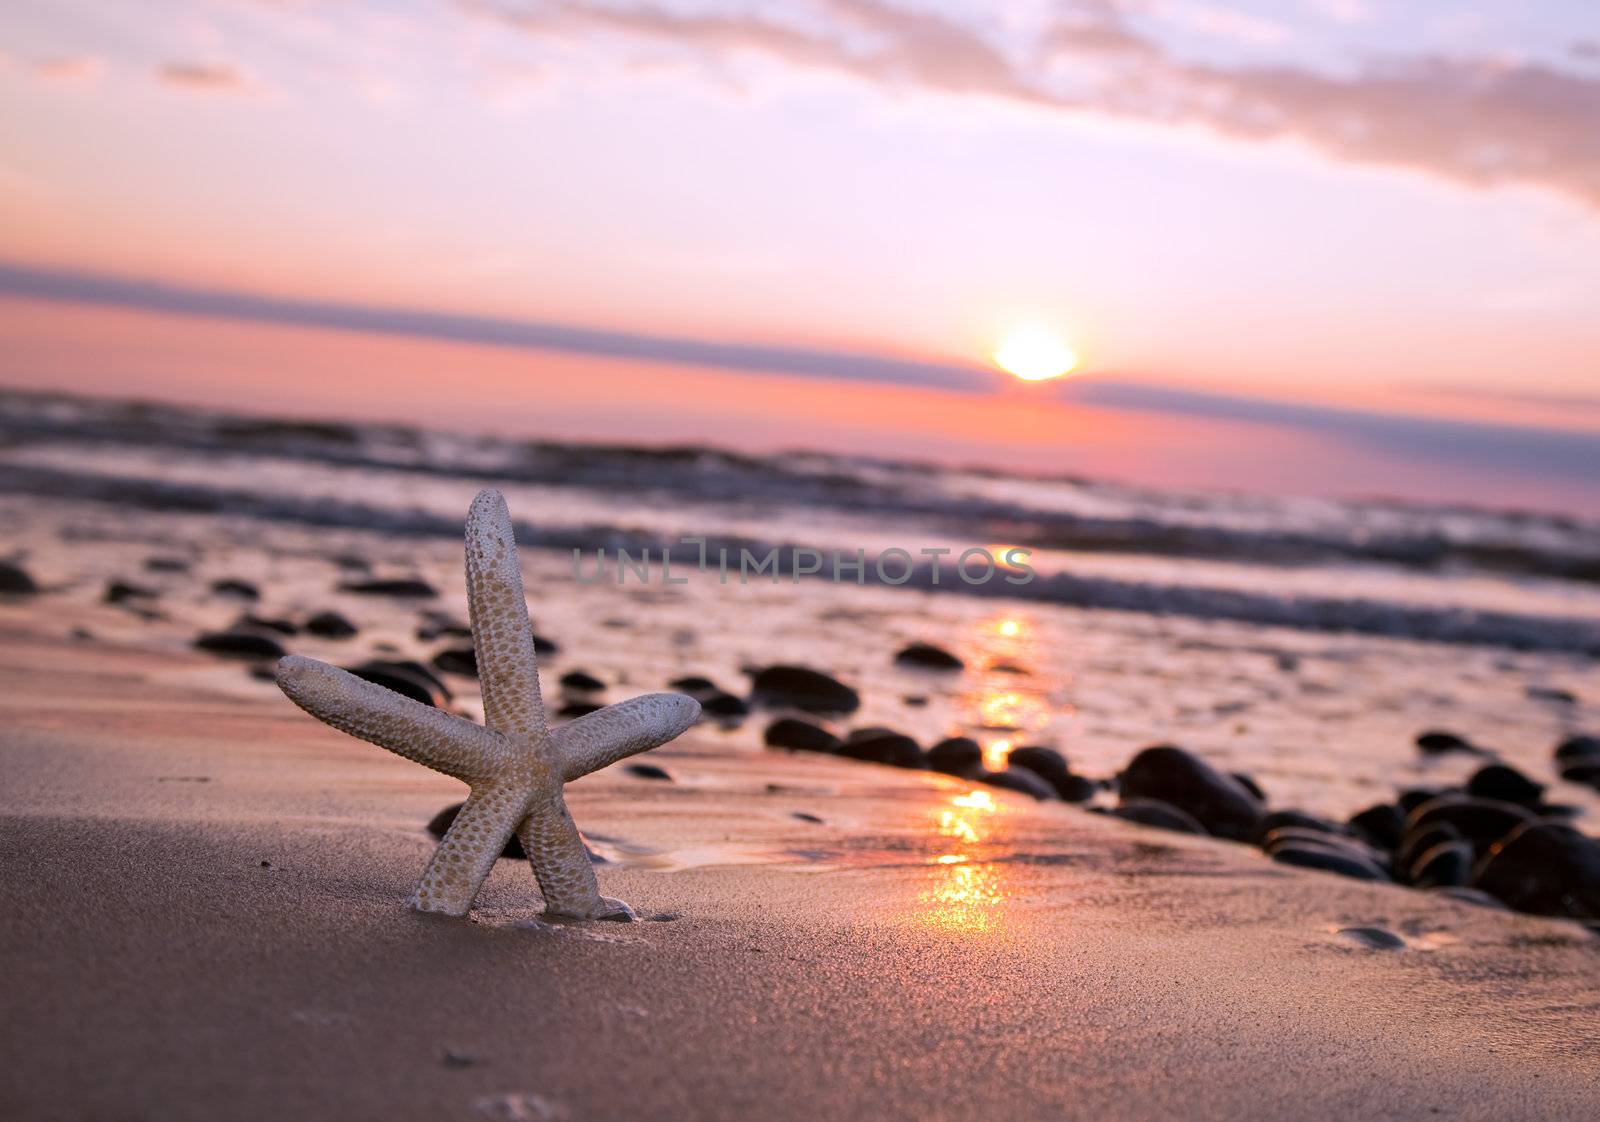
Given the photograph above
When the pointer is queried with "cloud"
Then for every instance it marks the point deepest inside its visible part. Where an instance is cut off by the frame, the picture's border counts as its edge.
(71, 68)
(202, 77)
(1477, 121)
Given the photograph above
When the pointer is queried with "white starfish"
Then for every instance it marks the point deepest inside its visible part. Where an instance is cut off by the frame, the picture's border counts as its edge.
(516, 766)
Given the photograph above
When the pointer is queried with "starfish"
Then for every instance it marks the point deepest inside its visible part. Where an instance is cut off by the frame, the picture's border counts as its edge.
(515, 764)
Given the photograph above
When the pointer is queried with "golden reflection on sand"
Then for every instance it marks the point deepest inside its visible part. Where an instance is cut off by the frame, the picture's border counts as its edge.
(963, 894)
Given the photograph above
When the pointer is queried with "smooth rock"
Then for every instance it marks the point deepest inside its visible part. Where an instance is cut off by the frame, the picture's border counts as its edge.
(1544, 867)
(1501, 781)
(1373, 938)
(1436, 742)
(956, 755)
(1578, 748)
(1446, 865)
(240, 644)
(1021, 780)
(581, 681)
(1552, 693)
(1047, 763)
(243, 589)
(724, 705)
(402, 587)
(329, 625)
(457, 660)
(1249, 783)
(799, 687)
(1481, 821)
(1278, 818)
(926, 656)
(1382, 824)
(1413, 797)
(574, 709)
(280, 626)
(1182, 779)
(892, 748)
(404, 677)
(1418, 842)
(1154, 812)
(1474, 896)
(16, 581)
(799, 736)
(650, 771)
(694, 685)
(120, 592)
(166, 565)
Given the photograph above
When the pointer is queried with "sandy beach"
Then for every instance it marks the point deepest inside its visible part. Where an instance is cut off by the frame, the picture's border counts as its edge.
(207, 920)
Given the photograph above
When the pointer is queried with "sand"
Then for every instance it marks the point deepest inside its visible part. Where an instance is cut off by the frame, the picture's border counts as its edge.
(204, 918)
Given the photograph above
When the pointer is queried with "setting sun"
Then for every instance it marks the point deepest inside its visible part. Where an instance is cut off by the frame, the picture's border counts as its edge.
(1034, 354)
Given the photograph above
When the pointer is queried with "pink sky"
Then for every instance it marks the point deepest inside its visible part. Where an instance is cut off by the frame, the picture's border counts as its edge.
(1339, 203)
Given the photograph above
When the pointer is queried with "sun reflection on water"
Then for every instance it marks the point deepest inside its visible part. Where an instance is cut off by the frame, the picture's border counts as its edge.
(963, 895)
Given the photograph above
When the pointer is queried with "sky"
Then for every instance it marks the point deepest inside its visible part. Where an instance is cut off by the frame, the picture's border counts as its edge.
(1318, 246)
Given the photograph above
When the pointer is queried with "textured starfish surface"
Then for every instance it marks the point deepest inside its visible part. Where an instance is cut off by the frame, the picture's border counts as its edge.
(517, 765)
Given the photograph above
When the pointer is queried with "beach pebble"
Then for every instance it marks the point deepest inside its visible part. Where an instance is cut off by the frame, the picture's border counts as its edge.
(120, 591)
(1501, 781)
(650, 771)
(1298, 818)
(926, 656)
(574, 709)
(240, 644)
(1249, 783)
(1154, 812)
(166, 565)
(1544, 867)
(798, 687)
(883, 747)
(16, 580)
(403, 587)
(724, 705)
(581, 681)
(799, 736)
(329, 625)
(1578, 748)
(541, 646)
(1009, 668)
(280, 626)
(1021, 780)
(694, 685)
(1480, 821)
(956, 755)
(404, 677)
(915, 700)
(1436, 742)
(1328, 860)
(1448, 864)
(1051, 766)
(458, 660)
(1373, 938)
(1182, 779)
(1417, 842)
(1552, 693)
(242, 589)
(1473, 896)
(441, 822)
(1382, 824)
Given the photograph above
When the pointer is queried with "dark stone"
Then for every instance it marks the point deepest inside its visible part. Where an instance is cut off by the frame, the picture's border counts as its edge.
(406, 678)
(1481, 821)
(1552, 693)
(1418, 842)
(1413, 797)
(1448, 864)
(405, 587)
(541, 646)
(1182, 779)
(1501, 781)
(240, 644)
(1578, 747)
(243, 589)
(797, 687)
(16, 581)
(1382, 824)
(799, 736)
(1051, 766)
(925, 656)
(956, 755)
(581, 681)
(1249, 783)
(1328, 860)
(1474, 896)
(914, 700)
(869, 732)
(806, 817)
(1021, 780)
(650, 771)
(720, 704)
(458, 660)
(280, 626)
(119, 592)
(1544, 867)
(578, 709)
(330, 625)
(1555, 810)
(166, 565)
(1154, 812)
(1297, 818)
(694, 685)
(440, 822)
(892, 748)
(1436, 742)
(1373, 938)
(1009, 668)
(1300, 837)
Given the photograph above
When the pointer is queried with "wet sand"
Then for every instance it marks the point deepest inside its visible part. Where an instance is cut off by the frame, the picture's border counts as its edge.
(205, 919)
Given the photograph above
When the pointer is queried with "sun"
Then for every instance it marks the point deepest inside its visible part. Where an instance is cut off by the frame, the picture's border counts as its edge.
(1034, 354)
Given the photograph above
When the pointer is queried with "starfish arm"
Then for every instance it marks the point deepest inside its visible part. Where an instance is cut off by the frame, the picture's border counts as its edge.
(431, 737)
(508, 669)
(618, 731)
(469, 849)
(561, 863)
